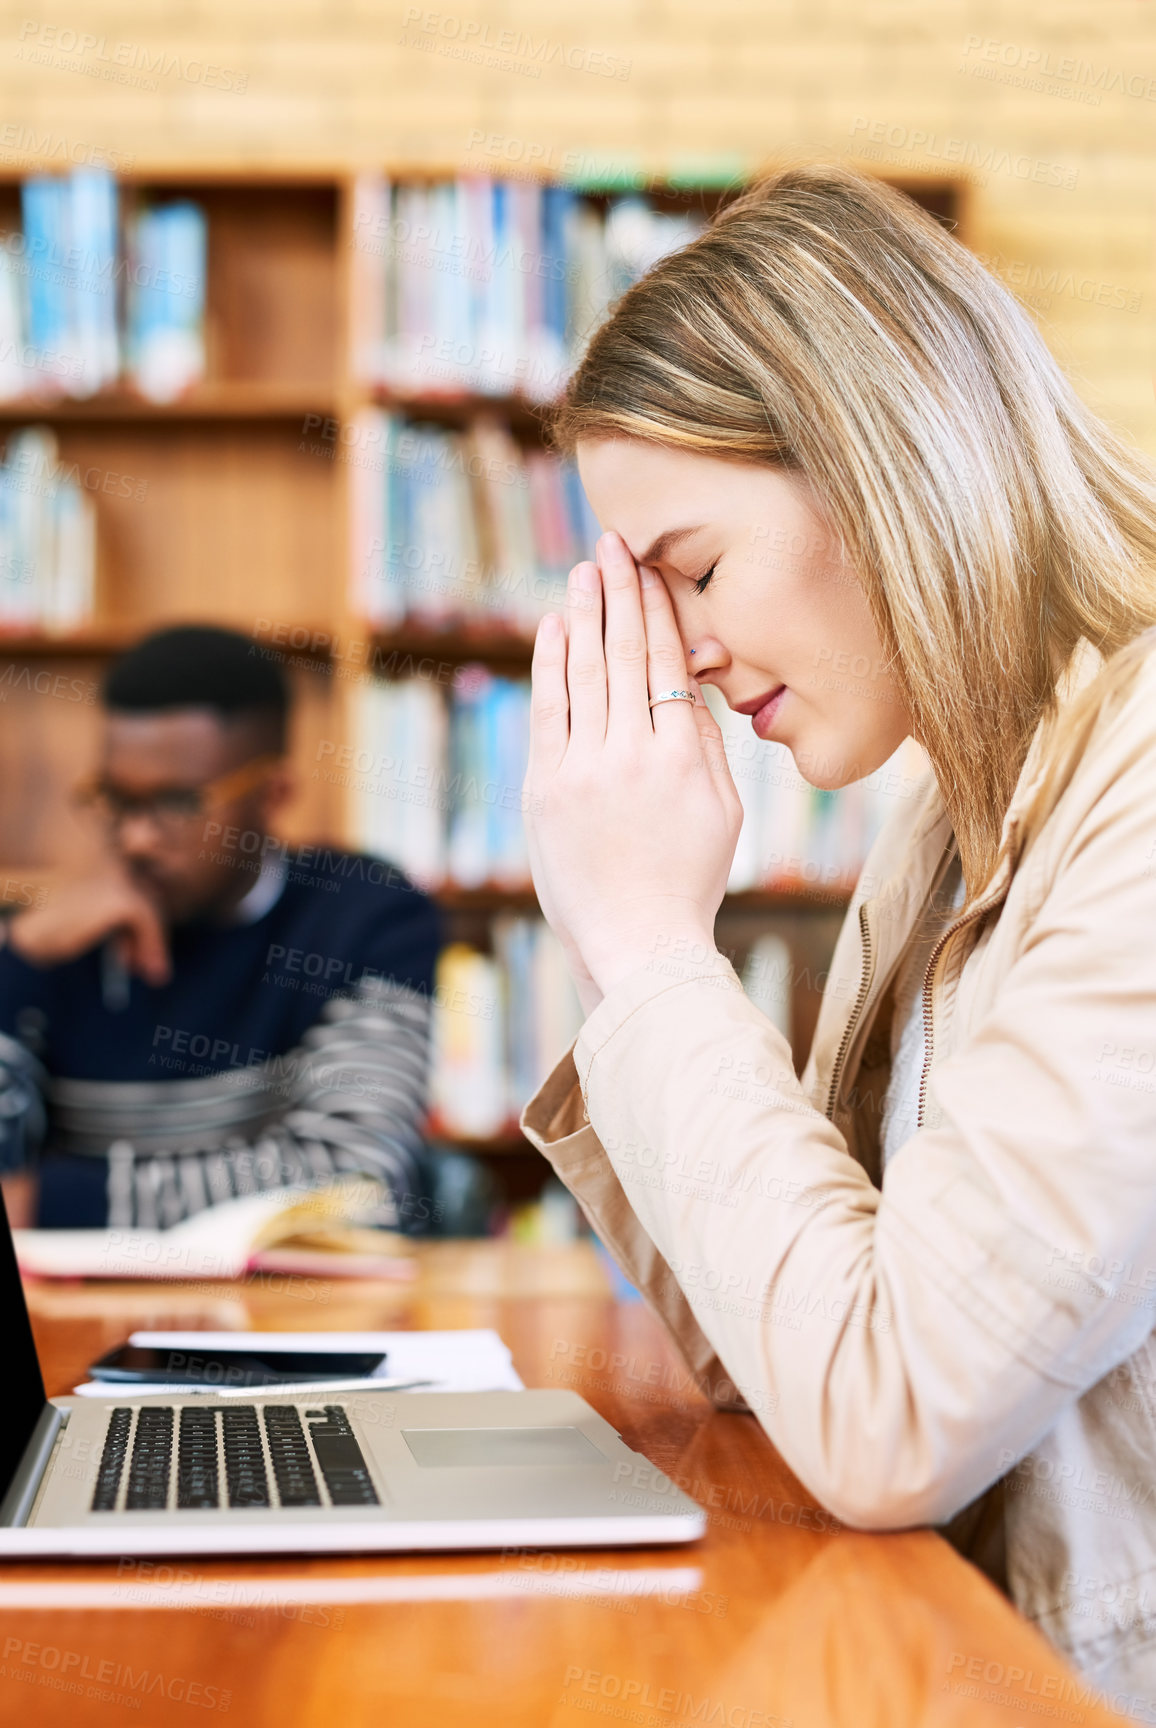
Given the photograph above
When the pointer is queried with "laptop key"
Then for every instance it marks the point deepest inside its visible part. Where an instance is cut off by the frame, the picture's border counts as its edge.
(246, 1479)
(289, 1452)
(112, 1460)
(198, 1483)
(151, 1464)
(342, 1460)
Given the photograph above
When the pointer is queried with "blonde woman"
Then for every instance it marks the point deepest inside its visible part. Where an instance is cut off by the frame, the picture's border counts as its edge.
(819, 437)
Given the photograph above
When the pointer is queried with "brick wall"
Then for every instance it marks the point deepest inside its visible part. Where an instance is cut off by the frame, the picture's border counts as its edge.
(1048, 106)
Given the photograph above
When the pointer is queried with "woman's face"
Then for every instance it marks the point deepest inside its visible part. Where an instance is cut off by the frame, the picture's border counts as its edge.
(762, 594)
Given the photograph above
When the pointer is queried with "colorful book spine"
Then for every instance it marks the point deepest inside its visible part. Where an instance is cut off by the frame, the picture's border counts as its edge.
(438, 775)
(80, 266)
(492, 287)
(469, 1086)
(796, 836)
(767, 977)
(501, 1022)
(49, 275)
(47, 537)
(93, 212)
(461, 529)
(166, 298)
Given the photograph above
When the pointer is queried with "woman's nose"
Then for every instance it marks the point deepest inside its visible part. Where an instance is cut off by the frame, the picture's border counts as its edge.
(704, 656)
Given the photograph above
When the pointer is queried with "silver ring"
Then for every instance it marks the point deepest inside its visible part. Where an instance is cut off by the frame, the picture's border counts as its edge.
(674, 696)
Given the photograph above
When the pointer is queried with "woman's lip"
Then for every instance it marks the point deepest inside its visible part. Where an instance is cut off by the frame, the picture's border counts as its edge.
(759, 701)
(762, 722)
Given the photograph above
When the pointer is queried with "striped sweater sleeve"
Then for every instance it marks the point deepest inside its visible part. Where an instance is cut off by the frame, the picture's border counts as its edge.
(22, 1112)
(351, 1097)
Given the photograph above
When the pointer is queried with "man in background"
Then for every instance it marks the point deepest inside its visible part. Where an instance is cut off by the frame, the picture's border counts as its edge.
(205, 1017)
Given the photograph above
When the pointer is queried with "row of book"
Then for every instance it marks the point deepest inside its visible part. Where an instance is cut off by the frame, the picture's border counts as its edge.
(797, 835)
(436, 774)
(47, 537)
(492, 286)
(95, 289)
(456, 528)
(502, 1020)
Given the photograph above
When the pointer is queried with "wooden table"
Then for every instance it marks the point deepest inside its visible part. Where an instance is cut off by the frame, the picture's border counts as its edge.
(779, 1616)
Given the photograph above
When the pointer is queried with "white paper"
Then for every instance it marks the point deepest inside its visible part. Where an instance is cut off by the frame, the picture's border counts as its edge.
(214, 1243)
(465, 1361)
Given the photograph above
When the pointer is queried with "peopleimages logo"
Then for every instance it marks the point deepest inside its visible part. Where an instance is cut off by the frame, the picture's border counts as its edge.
(469, 39)
(1031, 66)
(85, 1676)
(119, 62)
(874, 136)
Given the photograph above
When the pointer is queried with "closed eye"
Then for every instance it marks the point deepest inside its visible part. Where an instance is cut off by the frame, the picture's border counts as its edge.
(703, 581)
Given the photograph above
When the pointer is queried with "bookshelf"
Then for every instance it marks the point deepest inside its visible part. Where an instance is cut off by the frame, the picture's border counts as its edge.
(235, 503)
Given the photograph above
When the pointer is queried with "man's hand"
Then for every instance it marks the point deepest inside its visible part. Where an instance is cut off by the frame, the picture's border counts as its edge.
(20, 1190)
(81, 914)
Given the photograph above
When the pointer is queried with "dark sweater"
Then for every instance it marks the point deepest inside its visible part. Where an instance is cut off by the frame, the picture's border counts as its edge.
(282, 1049)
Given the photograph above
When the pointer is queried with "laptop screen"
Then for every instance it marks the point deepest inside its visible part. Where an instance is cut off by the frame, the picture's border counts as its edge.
(24, 1396)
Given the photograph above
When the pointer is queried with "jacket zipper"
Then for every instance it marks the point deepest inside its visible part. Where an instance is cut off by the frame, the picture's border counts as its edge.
(856, 1011)
(976, 912)
(865, 987)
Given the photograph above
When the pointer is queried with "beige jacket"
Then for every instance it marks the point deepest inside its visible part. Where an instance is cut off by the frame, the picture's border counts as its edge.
(967, 1345)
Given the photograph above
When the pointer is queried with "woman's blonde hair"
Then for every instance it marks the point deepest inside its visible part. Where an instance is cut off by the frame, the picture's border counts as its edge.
(827, 323)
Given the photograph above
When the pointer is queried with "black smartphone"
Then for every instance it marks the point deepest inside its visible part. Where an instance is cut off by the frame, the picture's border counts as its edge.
(247, 1365)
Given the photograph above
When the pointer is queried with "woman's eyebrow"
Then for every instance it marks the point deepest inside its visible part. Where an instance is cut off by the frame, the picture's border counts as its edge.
(660, 549)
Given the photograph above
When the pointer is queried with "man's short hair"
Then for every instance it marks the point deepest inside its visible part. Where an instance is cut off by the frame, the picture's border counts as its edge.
(202, 666)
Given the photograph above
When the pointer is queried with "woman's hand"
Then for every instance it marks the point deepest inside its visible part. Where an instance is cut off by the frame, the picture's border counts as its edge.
(632, 814)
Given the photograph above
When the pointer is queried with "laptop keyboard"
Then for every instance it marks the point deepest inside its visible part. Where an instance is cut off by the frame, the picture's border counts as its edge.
(242, 1457)
(198, 1475)
(148, 1470)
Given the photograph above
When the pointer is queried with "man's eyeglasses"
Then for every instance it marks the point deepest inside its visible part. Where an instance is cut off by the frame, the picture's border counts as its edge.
(172, 810)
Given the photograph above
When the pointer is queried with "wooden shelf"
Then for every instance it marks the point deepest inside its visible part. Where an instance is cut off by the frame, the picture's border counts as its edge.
(289, 641)
(455, 407)
(230, 504)
(488, 899)
(802, 899)
(225, 400)
(96, 643)
(456, 646)
(167, 176)
(512, 1143)
(102, 640)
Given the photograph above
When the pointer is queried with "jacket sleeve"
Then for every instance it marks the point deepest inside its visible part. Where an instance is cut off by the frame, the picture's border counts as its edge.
(904, 1347)
(555, 1122)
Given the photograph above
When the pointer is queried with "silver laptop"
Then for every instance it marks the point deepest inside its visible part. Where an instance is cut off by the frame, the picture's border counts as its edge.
(364, 1472)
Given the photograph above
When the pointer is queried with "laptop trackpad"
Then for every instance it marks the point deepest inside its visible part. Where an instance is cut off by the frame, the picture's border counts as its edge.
(465, 1448)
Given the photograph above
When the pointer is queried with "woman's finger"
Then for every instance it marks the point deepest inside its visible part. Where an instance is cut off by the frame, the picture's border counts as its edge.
(713, 746)
(549, 706)
(585, 660)
(665, 660)
(625, 638)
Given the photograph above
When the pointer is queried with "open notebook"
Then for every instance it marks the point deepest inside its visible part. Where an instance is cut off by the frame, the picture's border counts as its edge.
(312, 1231)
